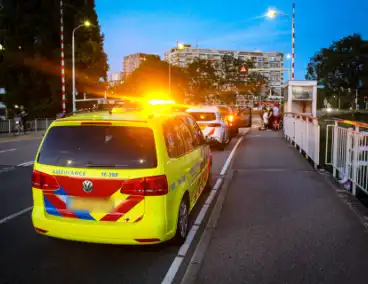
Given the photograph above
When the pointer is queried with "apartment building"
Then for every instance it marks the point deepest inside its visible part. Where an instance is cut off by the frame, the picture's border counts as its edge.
(132, 62)
(270, 64)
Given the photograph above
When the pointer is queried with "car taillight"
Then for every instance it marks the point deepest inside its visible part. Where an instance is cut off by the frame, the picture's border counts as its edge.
(214, 125)
(148, 186)
(44, 181)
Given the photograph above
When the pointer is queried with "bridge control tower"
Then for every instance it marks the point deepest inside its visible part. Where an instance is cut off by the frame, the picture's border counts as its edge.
(300, 97)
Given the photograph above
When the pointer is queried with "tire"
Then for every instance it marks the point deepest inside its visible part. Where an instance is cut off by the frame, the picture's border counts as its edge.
(182, 226)
(208, 186)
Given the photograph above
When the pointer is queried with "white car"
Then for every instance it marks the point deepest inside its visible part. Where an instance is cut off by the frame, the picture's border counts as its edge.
(213, 123)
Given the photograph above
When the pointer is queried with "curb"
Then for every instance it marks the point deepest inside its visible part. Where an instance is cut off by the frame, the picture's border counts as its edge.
(196, 261)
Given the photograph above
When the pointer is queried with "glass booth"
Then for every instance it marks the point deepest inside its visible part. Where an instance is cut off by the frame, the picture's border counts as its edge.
(301, 97)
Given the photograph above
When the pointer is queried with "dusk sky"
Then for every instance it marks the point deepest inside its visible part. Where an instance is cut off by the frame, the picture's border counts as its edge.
(154, 26)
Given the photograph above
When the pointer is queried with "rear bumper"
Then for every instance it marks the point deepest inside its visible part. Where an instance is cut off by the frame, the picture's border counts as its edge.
(142, 232)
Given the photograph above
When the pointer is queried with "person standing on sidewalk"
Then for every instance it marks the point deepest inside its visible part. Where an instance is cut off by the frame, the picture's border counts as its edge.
(23, 114)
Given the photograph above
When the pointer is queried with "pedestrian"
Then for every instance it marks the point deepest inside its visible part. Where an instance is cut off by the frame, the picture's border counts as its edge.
(276, 116)
(23, 114)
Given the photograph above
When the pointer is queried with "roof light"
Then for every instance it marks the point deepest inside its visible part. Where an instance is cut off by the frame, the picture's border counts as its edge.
(161, 102)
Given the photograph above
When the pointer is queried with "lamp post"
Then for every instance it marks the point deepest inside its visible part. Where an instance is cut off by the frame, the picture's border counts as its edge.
(85, 24)
(179, 46)
(271, 14)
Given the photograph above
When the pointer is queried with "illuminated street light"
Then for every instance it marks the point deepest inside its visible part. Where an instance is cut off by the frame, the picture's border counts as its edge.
(271, 13)
(85, 24)
(2, 47)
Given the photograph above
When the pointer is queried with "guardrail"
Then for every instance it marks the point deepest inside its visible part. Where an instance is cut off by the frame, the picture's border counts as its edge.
(40, 124)
(304, 132)
(347, 142)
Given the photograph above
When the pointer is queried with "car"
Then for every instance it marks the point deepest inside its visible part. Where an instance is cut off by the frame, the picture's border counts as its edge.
(214, 124)
(120, 177)
(243, 118)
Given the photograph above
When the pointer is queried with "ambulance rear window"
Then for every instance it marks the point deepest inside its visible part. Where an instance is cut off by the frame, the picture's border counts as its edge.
(203, 116)
(99, 147)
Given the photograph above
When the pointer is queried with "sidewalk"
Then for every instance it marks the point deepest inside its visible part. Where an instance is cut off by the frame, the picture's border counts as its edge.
(281, 222)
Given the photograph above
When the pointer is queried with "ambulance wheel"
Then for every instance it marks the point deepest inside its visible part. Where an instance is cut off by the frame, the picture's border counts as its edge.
(183, 221)
(208, 186)
(222, 146)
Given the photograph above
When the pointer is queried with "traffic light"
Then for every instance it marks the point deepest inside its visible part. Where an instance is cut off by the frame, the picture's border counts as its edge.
(366, 99)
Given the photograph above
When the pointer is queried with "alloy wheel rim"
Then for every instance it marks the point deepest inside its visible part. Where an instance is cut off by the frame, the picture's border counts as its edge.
(183, 219)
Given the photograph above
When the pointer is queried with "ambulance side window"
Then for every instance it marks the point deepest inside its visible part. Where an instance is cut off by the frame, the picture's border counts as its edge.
(185, 133)
(198, 138)
(173, 139)
(171, 147)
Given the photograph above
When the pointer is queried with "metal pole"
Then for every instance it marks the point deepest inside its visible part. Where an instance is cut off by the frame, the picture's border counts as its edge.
(73, 70)
(169, 75)
(62, 60)
(293, 45)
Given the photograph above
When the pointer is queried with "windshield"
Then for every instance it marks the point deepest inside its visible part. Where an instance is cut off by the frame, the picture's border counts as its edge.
(99, 146)
(203, 116)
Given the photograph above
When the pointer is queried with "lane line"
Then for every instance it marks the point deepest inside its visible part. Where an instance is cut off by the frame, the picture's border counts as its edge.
(15, 215)
(8, 150)
(175, 265)
(26, 164)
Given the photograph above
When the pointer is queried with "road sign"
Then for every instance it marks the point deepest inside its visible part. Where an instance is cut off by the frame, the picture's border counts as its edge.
(244, 69)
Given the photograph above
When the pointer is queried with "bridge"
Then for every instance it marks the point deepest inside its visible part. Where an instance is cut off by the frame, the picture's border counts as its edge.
(285, 208)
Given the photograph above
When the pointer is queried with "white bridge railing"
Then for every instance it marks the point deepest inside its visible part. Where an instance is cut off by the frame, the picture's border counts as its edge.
(40, 124)
(347, 152)
(304, 132)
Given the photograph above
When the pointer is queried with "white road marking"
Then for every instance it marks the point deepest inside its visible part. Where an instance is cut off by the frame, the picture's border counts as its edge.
(15, 215)
(26, 164)
(9, 150)
(175, 265)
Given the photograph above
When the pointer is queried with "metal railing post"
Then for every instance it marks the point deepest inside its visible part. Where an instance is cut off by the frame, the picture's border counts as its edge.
(356, 141)
(349, 141)
(9, 124)
(47, 124)
(294, 131)
(317, 147)
(36, 125)
(308, 138)
(334, 150)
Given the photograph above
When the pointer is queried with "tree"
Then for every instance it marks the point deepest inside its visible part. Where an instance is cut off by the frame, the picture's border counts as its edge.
(222, 80)
(152, 77)
(202, 80)
(341, 66)
(30, 69)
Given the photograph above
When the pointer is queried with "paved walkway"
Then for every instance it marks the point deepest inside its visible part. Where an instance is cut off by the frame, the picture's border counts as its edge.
(281, 222)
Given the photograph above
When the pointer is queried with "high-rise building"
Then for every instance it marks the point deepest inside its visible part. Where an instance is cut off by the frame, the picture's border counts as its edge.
(269, 64)
(132, 61)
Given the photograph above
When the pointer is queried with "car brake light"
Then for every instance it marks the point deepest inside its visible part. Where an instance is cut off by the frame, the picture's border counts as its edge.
(148, 186)
(214, 125)
(44, 181)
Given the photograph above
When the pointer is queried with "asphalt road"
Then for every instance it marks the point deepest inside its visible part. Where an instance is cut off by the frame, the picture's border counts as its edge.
(26, 257)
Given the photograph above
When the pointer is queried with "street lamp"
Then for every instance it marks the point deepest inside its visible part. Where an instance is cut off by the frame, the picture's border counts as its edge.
(271, 14)
(1, 47)
(85, 24)
(179, 46)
